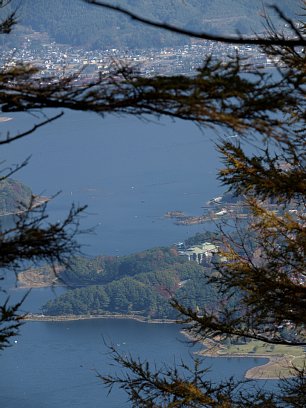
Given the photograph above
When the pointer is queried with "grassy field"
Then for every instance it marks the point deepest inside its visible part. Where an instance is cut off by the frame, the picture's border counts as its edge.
(258, 347)
(282, 358)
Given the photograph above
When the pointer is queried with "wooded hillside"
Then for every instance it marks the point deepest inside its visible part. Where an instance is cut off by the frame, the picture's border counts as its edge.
(77, 23)
(142, 283)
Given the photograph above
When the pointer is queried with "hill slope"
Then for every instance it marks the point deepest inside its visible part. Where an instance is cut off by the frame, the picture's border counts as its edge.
(77, 23)
(141, 283)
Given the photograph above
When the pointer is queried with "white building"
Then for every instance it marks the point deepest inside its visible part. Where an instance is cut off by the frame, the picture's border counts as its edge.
(202, 254)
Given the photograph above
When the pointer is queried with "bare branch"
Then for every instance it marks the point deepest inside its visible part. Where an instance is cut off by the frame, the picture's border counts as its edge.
(10, 171)
(8, 23)
(10, 139)
(205, 36)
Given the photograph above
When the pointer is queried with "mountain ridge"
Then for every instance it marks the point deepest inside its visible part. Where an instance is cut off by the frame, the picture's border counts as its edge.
(79, 24)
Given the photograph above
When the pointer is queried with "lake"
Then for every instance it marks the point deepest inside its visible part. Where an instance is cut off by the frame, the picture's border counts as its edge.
(127, 171)
(54, 364)
(130, 173)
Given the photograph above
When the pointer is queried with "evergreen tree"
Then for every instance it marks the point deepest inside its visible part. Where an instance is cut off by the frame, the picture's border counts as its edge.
(262, 282)
(261, 285)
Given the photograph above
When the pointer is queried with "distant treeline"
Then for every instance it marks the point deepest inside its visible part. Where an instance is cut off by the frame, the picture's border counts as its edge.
(76, 23)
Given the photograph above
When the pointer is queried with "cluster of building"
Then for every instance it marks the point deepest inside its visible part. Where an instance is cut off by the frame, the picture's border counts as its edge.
(204, 254)
(57, 59)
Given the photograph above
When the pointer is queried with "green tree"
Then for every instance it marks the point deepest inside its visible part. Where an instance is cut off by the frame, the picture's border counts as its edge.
(262, 283)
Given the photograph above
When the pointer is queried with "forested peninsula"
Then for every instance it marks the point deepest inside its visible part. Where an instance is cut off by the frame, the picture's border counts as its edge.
(138, 284)
(142, 284)
(139, 287)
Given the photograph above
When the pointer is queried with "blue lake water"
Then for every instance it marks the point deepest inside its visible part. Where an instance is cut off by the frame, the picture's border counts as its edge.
(129, 173)
(56, 364)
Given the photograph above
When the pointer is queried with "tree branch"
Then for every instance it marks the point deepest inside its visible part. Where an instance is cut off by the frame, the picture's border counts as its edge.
(10, 139)
(262, 41)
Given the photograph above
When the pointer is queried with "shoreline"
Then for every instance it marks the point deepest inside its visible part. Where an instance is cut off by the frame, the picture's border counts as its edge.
(38, 201)
(212, 349)
(39, 285)
(275, 362)
(69, 318)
